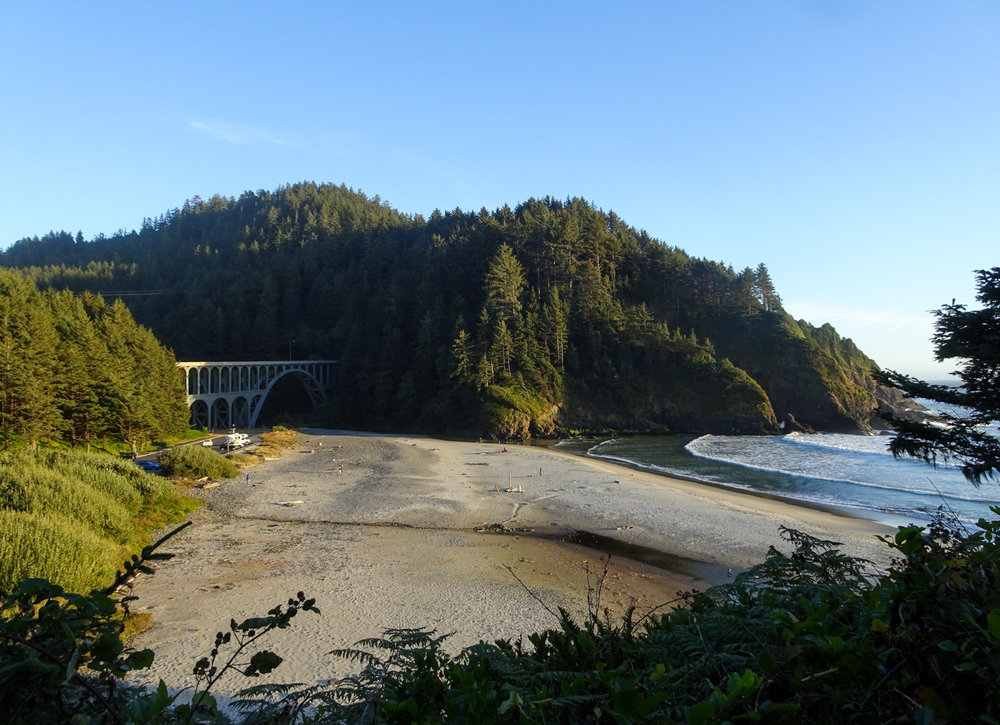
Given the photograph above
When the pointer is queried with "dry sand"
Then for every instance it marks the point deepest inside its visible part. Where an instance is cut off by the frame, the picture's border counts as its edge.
(397, 531)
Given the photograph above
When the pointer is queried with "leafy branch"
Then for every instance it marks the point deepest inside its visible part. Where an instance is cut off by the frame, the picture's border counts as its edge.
(47, 635)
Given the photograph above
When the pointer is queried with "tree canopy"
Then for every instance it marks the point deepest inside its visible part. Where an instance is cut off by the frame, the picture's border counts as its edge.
(973, 338)
(75, 368)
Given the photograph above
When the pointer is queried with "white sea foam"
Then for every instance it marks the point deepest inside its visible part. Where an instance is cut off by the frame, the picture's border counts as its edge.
(872, 445)
(845, 471)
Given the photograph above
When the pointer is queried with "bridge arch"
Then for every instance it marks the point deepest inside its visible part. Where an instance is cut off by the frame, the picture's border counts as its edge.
(227, 394)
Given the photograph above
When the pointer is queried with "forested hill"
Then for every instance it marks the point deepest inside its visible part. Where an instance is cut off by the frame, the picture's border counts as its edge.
(546, 317)
(77, 369)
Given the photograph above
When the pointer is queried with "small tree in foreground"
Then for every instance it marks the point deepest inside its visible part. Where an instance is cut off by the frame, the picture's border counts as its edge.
(972, 336)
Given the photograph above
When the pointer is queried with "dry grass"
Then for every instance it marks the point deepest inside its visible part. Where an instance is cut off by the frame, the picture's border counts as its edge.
(242, 460)
(135, 624)
(275, 443)
(272, 445)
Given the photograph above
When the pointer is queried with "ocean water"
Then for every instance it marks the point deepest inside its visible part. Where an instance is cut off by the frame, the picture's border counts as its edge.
(847, 472)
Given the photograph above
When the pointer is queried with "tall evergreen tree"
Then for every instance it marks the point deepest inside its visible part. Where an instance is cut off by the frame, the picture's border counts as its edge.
(27, 363)
(555, 316)
(38, 410)
(145, 396)
(973, 337)
(83, 370)
(764, 287)
(504, 285)
(11, 368)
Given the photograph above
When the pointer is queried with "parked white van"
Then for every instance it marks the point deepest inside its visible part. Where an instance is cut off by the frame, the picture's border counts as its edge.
(235, 440)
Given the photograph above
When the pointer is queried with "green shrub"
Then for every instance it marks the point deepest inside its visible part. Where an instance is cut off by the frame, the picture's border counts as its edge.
(30, 486)
(108, 473)
(71, 516)
(34, 544)
(196, 462)
(63, 656)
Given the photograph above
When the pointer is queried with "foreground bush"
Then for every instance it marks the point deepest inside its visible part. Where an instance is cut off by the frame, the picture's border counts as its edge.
(810, 637)
(50, 546)
(803, 638)
(196, 462)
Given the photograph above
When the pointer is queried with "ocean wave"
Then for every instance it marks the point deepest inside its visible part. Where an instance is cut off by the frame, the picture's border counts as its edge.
(652, 467)
(865, 445)
(923, 513)
(687, 475)
(834, 470)
(838, 471)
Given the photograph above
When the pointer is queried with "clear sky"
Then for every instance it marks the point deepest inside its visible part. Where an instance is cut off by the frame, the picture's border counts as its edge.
(850, 146)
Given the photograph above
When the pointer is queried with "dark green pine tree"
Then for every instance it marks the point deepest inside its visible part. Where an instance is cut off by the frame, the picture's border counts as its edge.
(504, 285)
(28, 366)
(463, 352)
(973, 337)
(84, 367)
(764, 288)
(502, 350)
(555, 327)
(11, 366)
(39, 416)
(145, 397)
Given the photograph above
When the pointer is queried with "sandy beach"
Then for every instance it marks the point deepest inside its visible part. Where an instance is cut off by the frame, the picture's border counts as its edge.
(404, 531)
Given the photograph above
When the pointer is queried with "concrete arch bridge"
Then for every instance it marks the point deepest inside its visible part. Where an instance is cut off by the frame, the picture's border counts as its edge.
(225, 394)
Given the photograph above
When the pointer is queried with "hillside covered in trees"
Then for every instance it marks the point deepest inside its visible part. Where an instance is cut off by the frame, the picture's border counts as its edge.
(76, 369)
(547, 317)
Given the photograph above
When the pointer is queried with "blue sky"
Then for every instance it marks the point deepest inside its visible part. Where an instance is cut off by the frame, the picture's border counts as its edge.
(850, 146)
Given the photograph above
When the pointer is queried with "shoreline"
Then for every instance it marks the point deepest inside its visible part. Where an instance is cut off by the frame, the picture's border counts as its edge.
(789, 500)
(391, 531)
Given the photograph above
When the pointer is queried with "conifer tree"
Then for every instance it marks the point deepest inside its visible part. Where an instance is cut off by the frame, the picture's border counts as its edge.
(38, 411)
(145, 396)
(504, 284)
(555, 316)
(83, 364)
(462, 355)
(973, 337)
(766, 292)
(27, 363)
(503, 347)
(11, 369)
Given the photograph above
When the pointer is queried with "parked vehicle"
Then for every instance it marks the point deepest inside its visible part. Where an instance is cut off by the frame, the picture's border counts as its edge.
(235, 440)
